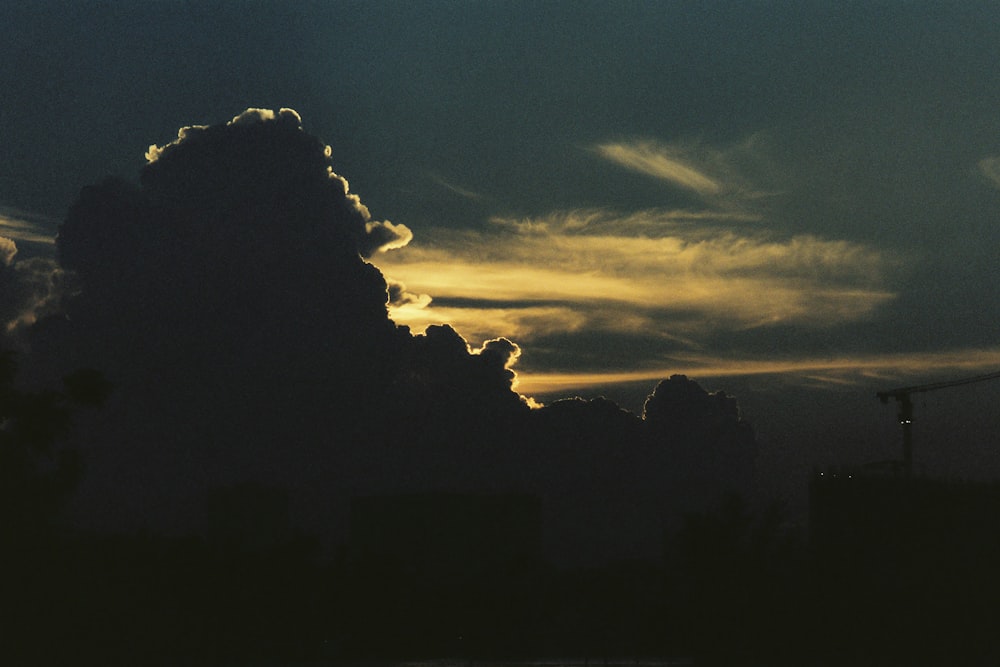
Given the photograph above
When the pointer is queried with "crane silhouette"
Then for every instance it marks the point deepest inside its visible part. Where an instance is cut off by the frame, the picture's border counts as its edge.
(905, 414)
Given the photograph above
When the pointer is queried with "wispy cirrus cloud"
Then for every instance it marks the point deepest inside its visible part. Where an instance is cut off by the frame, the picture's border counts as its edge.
(27, 227)
(850, 369)
(650, 288)
(716, 174)
(990, 168)
(456, 189)
(481, 323)
(658, 272)
(661, 162)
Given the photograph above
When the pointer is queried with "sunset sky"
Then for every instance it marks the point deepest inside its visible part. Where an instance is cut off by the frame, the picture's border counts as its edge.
(796, 202)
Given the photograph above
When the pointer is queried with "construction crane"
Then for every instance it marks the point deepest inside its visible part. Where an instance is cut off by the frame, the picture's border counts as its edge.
(905, 415)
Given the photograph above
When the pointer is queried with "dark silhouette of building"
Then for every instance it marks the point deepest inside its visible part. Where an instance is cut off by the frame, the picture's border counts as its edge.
(441, 574)
(448, 538)
(868, 511)
(905, 566)
(248, 517)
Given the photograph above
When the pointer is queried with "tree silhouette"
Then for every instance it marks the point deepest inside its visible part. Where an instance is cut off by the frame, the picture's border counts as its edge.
(36, 476)
(740, 580)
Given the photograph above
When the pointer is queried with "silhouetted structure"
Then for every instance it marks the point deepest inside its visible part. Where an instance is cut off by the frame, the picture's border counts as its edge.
(248, 517)
(444, 574)
(904, 397)
(905, 566)
(863, 511)
(445, 535)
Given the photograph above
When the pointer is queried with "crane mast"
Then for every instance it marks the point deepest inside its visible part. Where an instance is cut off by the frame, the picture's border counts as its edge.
(905, 415)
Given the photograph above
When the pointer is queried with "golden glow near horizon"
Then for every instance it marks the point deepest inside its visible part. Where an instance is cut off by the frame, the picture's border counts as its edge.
(833, 370)
(661, 272)
(644, 272)
(677, 275)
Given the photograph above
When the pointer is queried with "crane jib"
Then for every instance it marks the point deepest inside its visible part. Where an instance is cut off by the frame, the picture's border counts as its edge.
(905, 415)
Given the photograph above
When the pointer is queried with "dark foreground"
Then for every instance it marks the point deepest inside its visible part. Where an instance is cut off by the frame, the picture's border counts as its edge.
(731, 589)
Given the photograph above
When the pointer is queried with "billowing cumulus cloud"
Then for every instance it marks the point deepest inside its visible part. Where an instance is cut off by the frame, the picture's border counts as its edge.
(212, 150)
(400, 297)
(248, 118)
(383, 236)
(226, 297)
(228, 286)
(501, 353)
(30, 286)
(32, 290)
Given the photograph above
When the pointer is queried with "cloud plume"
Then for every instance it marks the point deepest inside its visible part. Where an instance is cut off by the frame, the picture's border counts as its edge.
(660, 162)
(30, 287)
(227, 297)
(233, 274)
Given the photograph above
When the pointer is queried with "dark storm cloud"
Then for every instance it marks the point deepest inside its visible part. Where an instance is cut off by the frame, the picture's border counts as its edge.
(400, 296)
(617, 482)
(500, 352)
(227, 298)
(227, 295)
(707, 436)
(217, 163)
(383, 236)
(29, 289)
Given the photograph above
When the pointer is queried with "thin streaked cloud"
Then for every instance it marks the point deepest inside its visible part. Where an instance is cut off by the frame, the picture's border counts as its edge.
(482, 323)
(28, 227)
(456, 189)
(833, 370)
(735, 175)
(660, 162)
(661, 272)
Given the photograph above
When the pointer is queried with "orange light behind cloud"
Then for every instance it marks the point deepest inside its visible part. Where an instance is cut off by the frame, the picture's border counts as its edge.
(849, 369)
(681, 276)
(571, 269)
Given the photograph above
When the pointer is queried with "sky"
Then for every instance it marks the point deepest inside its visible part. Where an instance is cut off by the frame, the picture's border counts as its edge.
(792, 202)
